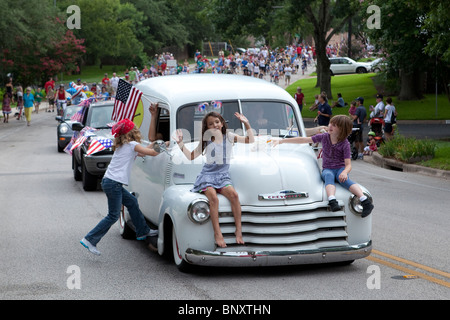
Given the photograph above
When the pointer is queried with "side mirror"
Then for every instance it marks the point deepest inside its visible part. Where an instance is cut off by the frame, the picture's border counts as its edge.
(59, 118)
(77, 126)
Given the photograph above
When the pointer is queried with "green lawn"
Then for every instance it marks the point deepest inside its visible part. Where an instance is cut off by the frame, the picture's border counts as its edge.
(441, 158)
(361, 85)
(92, 74)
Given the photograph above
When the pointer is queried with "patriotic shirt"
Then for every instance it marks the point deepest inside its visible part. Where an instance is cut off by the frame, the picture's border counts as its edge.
(119, 169)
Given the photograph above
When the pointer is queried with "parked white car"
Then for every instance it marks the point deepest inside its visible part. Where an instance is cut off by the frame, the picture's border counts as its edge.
(285, 214)
(378, 65)
(347, 65)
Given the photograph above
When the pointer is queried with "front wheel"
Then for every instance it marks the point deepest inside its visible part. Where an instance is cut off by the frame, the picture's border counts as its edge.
(76, 168)
(361, 70)
(181, 264)
(89, 180)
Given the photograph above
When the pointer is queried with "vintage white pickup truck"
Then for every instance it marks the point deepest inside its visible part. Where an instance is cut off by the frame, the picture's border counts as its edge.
(285, 215)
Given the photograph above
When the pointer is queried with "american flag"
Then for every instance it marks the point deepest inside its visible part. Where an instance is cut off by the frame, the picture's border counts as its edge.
(127, 99)
(78, 143)
(99, 145)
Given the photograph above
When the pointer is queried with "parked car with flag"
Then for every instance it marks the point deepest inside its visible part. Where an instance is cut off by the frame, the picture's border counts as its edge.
(286, 219)
(91, 145)
(64, 130)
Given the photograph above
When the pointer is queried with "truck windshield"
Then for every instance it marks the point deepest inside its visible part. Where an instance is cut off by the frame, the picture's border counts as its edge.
(100, 116)
(265, 117)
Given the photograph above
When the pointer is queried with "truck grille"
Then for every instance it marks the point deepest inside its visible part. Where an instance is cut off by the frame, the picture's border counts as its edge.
(286, 231)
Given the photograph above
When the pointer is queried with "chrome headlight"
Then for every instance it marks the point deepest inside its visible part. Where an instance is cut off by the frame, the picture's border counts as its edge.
(63, 128)
(355, 204)
(198, 211)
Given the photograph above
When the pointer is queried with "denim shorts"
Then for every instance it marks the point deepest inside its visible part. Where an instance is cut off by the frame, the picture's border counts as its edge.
(330, 176)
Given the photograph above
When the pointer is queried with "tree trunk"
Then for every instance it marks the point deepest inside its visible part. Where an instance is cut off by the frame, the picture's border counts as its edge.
(323, 67)
(410, 88)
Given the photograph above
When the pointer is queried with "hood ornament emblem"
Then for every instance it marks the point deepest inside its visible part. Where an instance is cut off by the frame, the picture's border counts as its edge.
(283, 195)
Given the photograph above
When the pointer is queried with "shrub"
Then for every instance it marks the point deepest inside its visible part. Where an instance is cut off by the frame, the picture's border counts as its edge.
(408, 149)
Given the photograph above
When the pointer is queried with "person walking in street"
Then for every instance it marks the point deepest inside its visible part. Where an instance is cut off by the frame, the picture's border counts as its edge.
(126, 148)
(6, 107)
(28, 103)
(51, 100)
(19, 102)
(38, 97)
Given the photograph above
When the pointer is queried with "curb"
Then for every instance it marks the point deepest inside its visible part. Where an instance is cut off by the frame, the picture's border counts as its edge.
(393, 164)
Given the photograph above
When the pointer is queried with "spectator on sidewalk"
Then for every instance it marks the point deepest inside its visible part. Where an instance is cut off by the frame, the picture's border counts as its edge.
(299, 96)
(358, 122)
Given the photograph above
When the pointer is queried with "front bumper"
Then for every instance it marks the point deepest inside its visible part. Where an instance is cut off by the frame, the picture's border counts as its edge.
(97, 164)
(264, 258)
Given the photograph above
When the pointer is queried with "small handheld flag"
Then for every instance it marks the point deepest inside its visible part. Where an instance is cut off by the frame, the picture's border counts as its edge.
(127, 99)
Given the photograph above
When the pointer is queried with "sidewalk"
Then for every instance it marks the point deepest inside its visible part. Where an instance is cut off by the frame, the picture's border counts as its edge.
(392, 164)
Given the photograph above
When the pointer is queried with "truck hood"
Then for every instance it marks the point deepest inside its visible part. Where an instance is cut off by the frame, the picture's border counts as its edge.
(104, 133)
(285, 175)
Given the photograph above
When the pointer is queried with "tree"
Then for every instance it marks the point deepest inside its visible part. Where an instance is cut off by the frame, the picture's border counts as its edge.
(109, 29)
(401, 37)
(34, 42)
(261, 18)
(252, 17)
(322, 14)
(436, 26)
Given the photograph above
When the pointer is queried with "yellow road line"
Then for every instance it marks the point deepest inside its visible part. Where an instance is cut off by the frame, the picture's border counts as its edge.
(412, 263)
(410, 271)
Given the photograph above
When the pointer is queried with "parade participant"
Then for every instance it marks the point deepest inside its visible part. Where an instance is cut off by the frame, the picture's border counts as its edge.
(19, 101)
(214, 177)
(38, 97)
(61, 100)
(105, 80)
(28, 101)
(51, 99)
(6, 107)
(126, 148)
(336, 163)
(49, 84)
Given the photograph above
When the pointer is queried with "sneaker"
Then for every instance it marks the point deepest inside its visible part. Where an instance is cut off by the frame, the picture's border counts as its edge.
(334, 205)
(151, 233)
(90, 246)
(367, 208)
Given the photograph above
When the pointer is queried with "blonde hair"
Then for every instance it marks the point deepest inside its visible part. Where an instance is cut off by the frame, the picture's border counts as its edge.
(133, 135)
(344, 124)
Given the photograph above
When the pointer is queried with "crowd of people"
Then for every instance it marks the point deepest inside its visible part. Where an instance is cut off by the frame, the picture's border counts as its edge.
(261, 62)
(274, 65)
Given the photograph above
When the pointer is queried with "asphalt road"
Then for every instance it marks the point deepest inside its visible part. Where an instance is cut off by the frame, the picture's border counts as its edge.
(44, 213)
